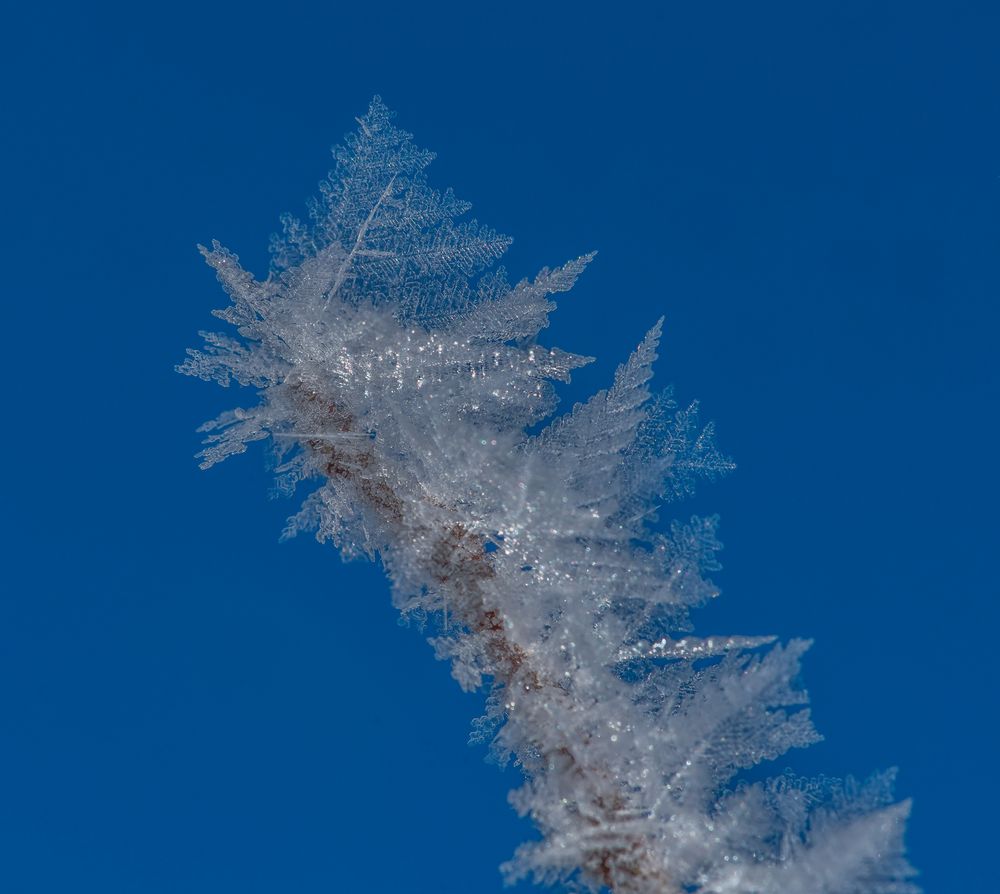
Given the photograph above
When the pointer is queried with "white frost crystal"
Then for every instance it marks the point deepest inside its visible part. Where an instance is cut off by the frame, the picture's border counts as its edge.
(400, 374)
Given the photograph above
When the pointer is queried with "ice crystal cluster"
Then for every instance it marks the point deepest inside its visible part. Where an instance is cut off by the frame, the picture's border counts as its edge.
(398, 373)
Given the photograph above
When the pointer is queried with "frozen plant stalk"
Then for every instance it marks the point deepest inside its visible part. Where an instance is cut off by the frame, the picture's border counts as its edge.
(400, 373)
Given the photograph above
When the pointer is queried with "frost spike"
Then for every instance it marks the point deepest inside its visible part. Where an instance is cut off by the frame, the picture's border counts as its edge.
(524, 310)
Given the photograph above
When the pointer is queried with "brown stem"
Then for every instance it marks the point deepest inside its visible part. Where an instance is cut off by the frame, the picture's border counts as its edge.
(458, 561)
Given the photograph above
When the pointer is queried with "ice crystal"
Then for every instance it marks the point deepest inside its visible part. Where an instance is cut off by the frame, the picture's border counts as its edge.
(399, 373)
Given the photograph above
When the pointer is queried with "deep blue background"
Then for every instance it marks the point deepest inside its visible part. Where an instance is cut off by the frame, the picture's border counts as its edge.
(809, 192)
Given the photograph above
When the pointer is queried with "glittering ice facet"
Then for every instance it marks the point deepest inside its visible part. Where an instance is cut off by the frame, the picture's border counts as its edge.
(397, 373)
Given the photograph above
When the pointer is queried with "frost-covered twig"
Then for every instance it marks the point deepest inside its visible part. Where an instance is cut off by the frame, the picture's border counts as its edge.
(402, 379)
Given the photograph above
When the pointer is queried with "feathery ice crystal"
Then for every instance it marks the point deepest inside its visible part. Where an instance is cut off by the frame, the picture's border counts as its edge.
(400, 373)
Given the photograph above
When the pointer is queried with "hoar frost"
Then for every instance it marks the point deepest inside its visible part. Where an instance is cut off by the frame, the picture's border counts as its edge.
(398, 374)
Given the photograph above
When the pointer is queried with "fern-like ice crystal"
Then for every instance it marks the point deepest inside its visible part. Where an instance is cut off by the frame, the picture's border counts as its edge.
(397, 374)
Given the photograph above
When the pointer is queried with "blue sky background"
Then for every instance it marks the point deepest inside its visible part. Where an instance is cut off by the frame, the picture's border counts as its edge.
(809, 191)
